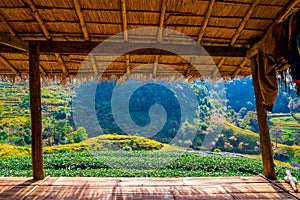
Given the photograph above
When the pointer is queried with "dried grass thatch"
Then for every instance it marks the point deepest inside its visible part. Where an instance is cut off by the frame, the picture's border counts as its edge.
(228, 23)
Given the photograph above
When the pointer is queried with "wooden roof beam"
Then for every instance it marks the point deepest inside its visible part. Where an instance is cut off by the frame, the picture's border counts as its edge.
(10, 29)
(94, 64)
(81, 20)
(38, 18)
(188, 70)
(9, 65)
(14, 42)
(159, 34)
(187, 73)
(124, 20)
(127, 63)
(115, 48)
(238, 69)
(161, 20)
(125, 33)
(243, 23)
(61, 62)
(205, 21)
(219, 65)
(155, 66)
(42, 70)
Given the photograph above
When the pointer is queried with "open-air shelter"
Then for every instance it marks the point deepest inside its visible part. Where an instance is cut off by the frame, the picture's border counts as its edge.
(51, 38)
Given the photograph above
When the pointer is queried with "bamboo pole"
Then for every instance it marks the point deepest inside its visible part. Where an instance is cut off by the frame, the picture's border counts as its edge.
(81, 20)
(36, 114)
(238, 69)
(94, 64)
(243, 23)
(205, 21)
(264, 135)
(10, 29)
(9, 65)
(39, 19)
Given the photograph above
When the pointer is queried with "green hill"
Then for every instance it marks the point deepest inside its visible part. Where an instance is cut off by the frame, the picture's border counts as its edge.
(111, 142)
(102, 142)
(241, 137)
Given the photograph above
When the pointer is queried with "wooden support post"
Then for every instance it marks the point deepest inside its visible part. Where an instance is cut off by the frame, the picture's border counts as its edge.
(264, 135)
(36, 114)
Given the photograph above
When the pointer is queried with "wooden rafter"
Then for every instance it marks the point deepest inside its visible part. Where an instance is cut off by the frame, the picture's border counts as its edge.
(125, 36)
(187, 73)
(188, 70)
(155, 66)
(124, 20)
(287, 10)
(159, 34)
(81, 20)
(243, 23)
(252, 51)
(42, 70)
(94, 64)
(8, 64)
(127, 60)
(219, 65)
(61, 62)
(238, 69)
(205, 21)
(161, 20)
(38, 18)
(11, 30)
(14, 42)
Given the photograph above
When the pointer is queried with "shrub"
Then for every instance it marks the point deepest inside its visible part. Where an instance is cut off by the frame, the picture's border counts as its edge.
(127, 148)
(216, 150)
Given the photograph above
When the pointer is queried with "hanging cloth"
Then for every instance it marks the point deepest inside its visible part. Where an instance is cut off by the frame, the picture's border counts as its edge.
(293, 40)
(271, 52)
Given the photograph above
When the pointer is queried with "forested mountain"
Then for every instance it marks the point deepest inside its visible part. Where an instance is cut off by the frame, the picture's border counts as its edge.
(193, 113)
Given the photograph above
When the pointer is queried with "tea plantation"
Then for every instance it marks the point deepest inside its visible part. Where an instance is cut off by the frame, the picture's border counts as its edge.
(139, 164)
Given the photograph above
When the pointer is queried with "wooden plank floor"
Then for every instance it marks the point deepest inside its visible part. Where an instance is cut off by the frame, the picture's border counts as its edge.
(144, 188)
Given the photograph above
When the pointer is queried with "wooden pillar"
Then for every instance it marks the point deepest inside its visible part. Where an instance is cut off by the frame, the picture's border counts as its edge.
(36, 114)
(264, 135)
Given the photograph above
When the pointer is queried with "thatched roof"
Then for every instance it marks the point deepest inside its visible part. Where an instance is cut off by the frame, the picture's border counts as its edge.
(220, 23)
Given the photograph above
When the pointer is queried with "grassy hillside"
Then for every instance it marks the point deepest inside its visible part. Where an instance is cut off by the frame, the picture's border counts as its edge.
(286, 129)
(102, 142)
(286, 153)
(111, 142)
(8, 151)
(247, 134)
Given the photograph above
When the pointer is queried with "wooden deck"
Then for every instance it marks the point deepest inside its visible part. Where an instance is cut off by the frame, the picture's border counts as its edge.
(144, 188)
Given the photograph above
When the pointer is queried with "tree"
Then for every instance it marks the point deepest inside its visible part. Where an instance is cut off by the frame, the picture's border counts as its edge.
(80, 134)
(61, 130)
(276, 131)
(250, 121)
(3, 136)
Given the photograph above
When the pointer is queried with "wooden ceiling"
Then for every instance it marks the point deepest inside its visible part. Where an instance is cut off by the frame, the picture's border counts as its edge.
(68, 31)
